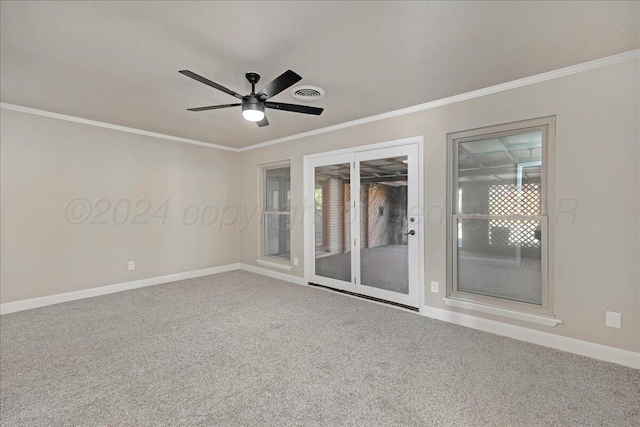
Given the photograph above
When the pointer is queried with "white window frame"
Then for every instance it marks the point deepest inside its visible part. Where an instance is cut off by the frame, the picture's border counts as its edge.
(264, 259)
(543, 313)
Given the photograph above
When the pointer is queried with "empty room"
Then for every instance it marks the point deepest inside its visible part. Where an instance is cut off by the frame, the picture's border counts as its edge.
(361, 213)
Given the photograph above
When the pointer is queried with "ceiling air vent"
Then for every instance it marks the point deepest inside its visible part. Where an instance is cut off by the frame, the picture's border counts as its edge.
(307, 93)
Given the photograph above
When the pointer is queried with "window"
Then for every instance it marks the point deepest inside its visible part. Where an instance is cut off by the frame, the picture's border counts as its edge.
(276, 211)
(499, 231)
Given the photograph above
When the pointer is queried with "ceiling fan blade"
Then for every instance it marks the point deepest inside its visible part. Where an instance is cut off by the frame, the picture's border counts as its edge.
(264, 122)
(294, 108)
(285, 80)
(213, 107)
(209, 83)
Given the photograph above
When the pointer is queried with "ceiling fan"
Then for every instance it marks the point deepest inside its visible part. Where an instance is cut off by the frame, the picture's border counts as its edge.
(253, 105)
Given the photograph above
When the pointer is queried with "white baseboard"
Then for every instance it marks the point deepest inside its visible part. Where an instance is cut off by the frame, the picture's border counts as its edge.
(27, 304)
(546, 339)
(274, 274)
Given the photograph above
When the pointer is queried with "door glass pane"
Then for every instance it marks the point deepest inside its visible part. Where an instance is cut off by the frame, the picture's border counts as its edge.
(500, 176)
(384, 250)
(276, 232)
(500, 258)
(332, 221)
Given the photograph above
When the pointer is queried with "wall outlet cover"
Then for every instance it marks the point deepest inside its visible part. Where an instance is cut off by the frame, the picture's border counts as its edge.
(434, 286)
(132, 265)
(614, 320)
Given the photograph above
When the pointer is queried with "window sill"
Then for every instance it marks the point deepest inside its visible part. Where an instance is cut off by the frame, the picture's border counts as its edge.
(518, 315)
(286, 267)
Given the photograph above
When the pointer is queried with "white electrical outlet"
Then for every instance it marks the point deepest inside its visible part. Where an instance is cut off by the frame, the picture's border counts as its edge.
(132, 265)
(295, 261)
(614, 320)
(434, 287)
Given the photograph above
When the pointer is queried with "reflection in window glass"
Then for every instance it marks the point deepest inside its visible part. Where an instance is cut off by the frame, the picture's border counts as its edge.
(384, 250)
(492, 263)
(276, 215)
(332, 221)
(507, 163)
(498, 216)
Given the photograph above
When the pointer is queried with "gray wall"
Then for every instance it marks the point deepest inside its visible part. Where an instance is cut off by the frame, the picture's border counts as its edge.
(46, 163)
(597, 150)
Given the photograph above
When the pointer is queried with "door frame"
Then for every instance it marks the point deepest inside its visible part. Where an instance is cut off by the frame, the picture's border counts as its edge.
(309, 203)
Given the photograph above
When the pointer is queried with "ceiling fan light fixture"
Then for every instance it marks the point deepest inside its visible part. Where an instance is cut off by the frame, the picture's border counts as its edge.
(253, 115)
(254, 112)
(253, 105)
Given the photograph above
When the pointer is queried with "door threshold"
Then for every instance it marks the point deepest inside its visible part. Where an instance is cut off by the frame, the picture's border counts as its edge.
(367, 297)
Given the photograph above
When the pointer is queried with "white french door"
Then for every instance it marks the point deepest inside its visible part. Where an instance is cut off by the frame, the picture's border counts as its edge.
(364, 233)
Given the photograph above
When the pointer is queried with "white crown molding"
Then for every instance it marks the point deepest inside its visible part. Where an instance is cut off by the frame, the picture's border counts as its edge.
(28, 304)
(96, 123)
(538, 78)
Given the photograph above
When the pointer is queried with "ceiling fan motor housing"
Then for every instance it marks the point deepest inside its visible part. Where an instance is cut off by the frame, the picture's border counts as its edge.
(251, 102)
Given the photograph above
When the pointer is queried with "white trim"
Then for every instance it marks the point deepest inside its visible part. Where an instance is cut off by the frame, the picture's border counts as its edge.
(415, 210)
(273, 274)
(349, 155)
(512, 314)
(538, 78)
(423, 228)
(546, 126)
(27, 304)
(274, 265)
(418, 139)
(96, 123)
(262, 198)
(301, 281)
(342, 294)
(546, 339)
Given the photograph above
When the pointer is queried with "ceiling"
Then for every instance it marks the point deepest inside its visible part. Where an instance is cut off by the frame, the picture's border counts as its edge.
(118, 62)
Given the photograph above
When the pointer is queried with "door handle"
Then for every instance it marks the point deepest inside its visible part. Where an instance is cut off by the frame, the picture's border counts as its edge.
(410, 232)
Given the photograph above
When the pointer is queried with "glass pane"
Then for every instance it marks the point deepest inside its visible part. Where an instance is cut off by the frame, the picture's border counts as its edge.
(384, 250)
(500, 258)
(278, 187)
(500, 176)
(276, 236)
(333, 221)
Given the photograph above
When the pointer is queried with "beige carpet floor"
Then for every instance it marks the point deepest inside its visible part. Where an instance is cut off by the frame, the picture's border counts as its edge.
(239, 349)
